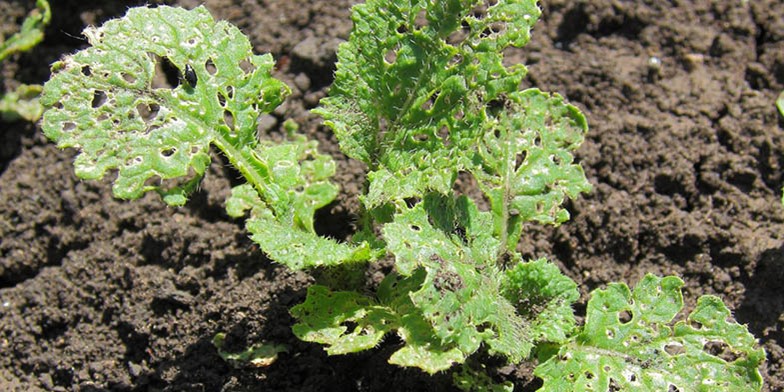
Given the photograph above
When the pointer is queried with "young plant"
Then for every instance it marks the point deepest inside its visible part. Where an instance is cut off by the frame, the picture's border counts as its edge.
(422, 96)
(23, 102)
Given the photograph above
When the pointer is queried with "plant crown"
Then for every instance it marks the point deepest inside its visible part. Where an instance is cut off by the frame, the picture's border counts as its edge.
(422, 97)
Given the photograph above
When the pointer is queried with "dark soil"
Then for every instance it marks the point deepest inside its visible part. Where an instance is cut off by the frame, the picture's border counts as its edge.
(686, 154)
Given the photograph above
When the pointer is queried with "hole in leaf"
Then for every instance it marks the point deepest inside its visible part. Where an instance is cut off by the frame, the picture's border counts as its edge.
(154, 181)
(247, 67)
(613, 386)
(128, 77)
(168, 152)
(166, 74)
(588, 375)
(480, 11)
(625, 316)
(674, 349)
(209, 65)
(221, 99)
(411, 201)
(495, 106)
(402, 29)
(230, 92)
(496, 28)
(147, 112)
(68, 126)
(415, 228)
(86, 70)
(134, 161)
(443, 134)
(673, 388)
(457, 37)
(695, 324)
(720, 350)
(421, 21)
(455, 60)
(610, 333)
(228, 118)
(99, 98)
(520, 159)
(427, 105)
(421, 137)
(391, 56)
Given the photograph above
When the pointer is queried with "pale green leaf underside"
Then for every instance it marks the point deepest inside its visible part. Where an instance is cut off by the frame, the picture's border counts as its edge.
(411, 86)
(629, 344)
(102, 101)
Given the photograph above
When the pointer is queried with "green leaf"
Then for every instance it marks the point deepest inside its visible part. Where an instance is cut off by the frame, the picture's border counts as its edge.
(349, 322)
(345, 321)
(469, 379)
(22, 103)
(258, 355)
(525, 165)
(543, 297)
(295, 245)
(411, 85)
(103, 101)
(31, 33)
(629, 343)
(460, 296)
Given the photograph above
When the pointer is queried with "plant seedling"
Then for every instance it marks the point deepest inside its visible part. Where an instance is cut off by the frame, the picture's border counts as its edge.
(422, 96)
(23, 102)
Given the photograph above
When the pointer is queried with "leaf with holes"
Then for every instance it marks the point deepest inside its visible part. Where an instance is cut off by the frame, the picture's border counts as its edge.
(524, 163)
(348, 322)
(629, 343)
(411, 85)
(106, 102)
(543, 297)
(461, 295)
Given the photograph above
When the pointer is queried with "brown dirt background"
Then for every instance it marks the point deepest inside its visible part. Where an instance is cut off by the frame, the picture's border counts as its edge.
(686, 158)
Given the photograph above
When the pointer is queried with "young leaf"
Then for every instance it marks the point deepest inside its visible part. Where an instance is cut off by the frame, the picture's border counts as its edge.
(22, 103)
(543, 296)
(102, 101)
(289, 239)
(345, 321)
(460, 296)
(411, 86)
(31, 33)
(525, 165)
(628, 343)
(348, 322)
